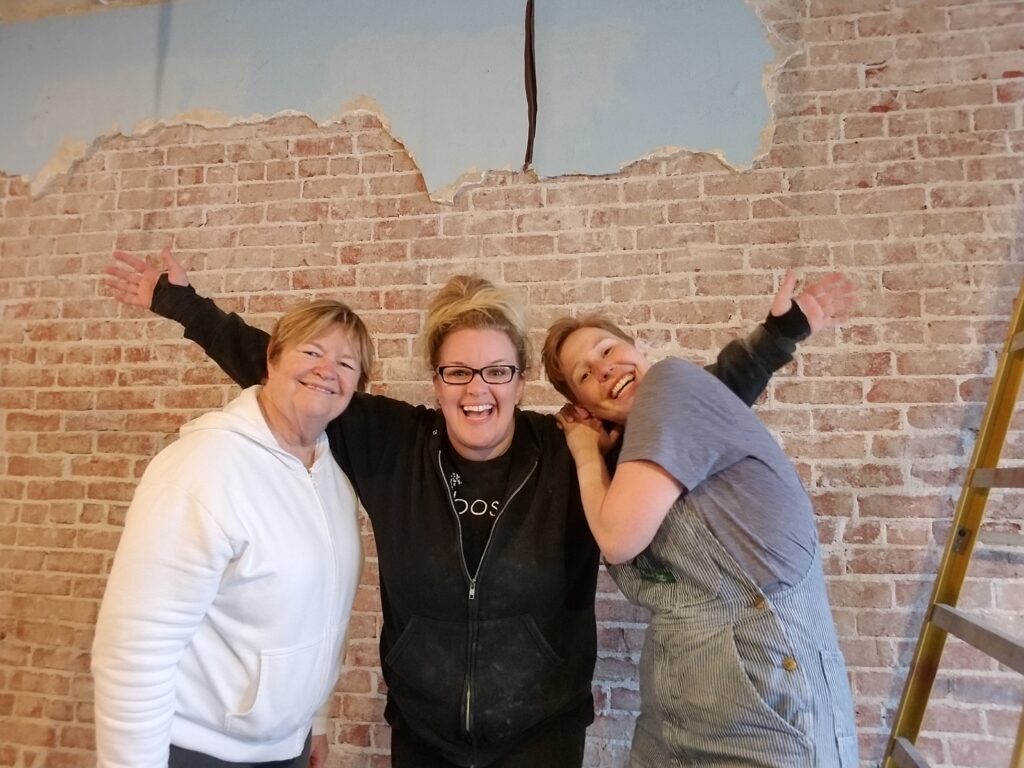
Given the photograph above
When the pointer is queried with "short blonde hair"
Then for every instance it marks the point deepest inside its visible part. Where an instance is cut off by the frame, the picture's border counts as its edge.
(470, 301)
(561, 330)
(309, 321)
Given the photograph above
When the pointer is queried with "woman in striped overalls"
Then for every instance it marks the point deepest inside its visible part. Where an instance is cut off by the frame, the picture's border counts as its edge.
(708, 526)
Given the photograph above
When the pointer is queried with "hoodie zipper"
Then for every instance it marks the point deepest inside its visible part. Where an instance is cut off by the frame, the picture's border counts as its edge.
(333, 601)
(467, 704)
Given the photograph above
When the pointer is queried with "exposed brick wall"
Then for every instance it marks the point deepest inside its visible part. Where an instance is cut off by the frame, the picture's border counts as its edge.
(897, 157)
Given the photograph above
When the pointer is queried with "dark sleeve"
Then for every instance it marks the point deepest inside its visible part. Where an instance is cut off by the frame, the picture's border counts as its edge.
(746, 365)
(239, 349)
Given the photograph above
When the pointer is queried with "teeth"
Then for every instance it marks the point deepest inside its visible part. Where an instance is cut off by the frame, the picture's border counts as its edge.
(315, 388)
(476, 408)
(623, 383)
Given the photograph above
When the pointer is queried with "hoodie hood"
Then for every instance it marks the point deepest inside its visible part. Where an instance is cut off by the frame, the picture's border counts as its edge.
(242, 416)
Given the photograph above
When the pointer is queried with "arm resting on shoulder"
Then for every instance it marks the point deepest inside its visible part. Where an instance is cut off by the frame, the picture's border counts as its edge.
(623, 515)
(626, 513)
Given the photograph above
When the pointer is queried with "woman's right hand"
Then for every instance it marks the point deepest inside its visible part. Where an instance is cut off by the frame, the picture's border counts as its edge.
(585, 435)
(136, 284)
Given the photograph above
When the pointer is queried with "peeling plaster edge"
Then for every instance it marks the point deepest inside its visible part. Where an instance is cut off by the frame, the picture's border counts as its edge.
(667, 153)
(445, 194)
(785, 52)
(72, 151)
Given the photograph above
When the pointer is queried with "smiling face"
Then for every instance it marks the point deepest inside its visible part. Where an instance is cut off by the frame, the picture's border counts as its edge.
(480, 417)
(312, 382)
(603, 371)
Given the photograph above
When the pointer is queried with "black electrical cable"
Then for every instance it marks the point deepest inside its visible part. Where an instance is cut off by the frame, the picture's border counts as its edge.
(531, 87)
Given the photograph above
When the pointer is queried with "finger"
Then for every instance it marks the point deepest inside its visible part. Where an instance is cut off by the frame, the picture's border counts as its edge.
(121, 286)
(118, 273)
(169, 261)
(783, 299)
(834, 283)
(788, 284)
(826, 282)
(139, 265)
(581, 413)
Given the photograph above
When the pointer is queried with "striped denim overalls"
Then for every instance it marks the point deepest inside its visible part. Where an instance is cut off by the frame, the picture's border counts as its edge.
(729, 676)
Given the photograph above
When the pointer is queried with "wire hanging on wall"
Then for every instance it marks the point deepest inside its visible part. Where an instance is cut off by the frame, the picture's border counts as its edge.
(531, 87)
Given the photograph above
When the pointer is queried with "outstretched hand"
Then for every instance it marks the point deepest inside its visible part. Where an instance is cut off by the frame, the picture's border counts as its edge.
(826, 302)
(136, 284)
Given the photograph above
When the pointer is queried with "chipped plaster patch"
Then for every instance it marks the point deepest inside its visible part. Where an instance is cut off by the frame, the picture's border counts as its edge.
(68, 153)
(423, 142)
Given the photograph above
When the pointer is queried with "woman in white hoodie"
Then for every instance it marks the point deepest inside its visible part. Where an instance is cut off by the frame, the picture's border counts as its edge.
(221, 633)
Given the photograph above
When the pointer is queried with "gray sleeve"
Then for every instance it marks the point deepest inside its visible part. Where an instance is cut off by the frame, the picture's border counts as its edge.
(688, 423)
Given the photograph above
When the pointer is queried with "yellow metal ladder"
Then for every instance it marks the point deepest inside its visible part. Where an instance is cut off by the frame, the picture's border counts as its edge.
(942, 616)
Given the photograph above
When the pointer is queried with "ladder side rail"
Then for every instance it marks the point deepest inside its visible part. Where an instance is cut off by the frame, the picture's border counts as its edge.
(967, 518)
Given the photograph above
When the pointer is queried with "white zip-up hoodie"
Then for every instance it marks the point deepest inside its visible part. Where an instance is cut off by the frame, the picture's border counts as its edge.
(223, 624)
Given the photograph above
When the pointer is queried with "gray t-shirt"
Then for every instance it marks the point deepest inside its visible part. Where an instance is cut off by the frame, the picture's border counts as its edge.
(743, 485)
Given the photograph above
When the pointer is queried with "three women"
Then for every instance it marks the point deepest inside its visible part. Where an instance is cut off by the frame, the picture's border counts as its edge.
(489, 638)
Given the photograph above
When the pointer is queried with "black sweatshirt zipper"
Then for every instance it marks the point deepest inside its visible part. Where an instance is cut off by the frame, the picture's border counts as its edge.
(467, 693)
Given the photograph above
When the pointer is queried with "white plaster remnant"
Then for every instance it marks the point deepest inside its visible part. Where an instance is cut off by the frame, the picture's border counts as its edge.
(68, 153)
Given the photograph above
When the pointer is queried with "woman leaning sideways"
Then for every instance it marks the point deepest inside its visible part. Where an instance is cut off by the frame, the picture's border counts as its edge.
(706, 523)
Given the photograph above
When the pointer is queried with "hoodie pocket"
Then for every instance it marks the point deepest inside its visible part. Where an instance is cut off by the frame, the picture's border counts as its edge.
(425, 671)
(519, 679)
(288, 686)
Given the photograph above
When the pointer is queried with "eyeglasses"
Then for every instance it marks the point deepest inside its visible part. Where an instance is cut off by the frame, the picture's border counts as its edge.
(491, 374)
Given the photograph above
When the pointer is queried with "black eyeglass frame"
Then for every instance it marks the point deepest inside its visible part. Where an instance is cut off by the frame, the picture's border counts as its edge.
(510, 370)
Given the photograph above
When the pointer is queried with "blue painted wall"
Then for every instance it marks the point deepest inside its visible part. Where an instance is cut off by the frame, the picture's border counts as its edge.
(617, 80)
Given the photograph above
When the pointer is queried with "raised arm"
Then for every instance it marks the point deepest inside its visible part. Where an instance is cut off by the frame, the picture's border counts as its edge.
(746, 365)
(238, 348)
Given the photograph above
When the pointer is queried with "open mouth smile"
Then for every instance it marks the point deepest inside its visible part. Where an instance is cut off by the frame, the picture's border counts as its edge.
(318, 388)
(477, 411)
(620, 385)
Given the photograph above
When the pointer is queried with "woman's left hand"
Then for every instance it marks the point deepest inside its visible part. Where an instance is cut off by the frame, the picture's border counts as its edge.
(319, 752)
(585, 433)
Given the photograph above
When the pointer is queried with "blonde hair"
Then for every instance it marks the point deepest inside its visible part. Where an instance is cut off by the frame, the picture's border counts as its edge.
(561, 330)
(470, 301)
(313, 320)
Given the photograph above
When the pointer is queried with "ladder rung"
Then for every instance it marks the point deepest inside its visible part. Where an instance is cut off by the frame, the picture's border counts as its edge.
(905, 755)
(1001, 538)
(1018, 342)
(989, 640)
(998, 478)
